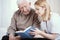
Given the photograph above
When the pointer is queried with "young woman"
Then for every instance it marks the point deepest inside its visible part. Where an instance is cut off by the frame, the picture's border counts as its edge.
(50, 22)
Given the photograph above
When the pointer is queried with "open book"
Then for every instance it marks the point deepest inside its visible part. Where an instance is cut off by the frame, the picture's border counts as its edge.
(25, 33)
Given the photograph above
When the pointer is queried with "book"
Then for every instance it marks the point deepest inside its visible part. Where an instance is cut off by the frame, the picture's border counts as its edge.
(25, 33)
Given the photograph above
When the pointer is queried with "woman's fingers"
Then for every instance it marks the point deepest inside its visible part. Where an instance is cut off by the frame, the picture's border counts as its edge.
(32, 30)
(36, 31)
(32, 33)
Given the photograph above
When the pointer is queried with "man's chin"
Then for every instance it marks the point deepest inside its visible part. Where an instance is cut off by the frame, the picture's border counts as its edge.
(25, 13)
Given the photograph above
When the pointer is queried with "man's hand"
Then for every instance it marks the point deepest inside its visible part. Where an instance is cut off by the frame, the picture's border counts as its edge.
(11, 37)
(17, 38)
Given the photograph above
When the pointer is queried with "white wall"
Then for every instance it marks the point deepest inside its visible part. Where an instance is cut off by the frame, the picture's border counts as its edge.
(0, 13)
(0, 18)
(55, 5)
(8, 7)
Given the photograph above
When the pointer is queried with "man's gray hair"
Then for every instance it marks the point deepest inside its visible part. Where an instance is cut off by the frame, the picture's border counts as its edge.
(20, 1)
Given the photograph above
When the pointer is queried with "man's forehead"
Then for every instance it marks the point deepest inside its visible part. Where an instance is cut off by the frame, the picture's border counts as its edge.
(23, 2)
(22, 5)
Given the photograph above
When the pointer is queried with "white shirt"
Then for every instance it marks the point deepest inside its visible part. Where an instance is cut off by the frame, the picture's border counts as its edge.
(53, 25)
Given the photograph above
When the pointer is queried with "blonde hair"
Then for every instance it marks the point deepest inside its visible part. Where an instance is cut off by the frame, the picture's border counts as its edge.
(46, 15)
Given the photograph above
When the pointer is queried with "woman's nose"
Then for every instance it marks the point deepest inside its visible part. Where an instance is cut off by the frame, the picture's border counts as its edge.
(36, 11)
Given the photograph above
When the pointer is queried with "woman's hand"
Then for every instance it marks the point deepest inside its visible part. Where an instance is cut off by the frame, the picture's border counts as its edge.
(35, 32)
(38, 36)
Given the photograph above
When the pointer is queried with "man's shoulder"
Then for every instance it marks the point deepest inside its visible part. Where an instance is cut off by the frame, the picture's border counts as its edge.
(16, 12)
(32, 11)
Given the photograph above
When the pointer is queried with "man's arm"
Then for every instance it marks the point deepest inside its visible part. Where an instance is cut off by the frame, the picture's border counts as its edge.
(12, 27)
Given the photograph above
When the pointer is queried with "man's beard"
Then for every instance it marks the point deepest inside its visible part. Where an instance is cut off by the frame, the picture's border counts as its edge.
(24, 13)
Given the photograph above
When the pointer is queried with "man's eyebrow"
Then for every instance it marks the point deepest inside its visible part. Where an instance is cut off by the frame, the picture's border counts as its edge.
(25, 6)
(37, 8)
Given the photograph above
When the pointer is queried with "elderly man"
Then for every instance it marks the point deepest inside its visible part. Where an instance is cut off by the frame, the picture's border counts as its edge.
(24, 17)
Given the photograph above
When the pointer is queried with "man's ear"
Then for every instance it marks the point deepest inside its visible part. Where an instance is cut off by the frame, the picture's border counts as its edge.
(18, 6)
(29, 3)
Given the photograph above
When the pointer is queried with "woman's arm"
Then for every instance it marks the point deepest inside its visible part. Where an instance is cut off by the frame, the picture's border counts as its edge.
(49, 36)
(42, 33)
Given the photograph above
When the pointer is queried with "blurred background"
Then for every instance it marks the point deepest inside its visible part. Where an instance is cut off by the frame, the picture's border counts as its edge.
(8, 7)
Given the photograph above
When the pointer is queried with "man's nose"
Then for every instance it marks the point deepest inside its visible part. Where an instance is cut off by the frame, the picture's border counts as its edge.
(24, 9)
